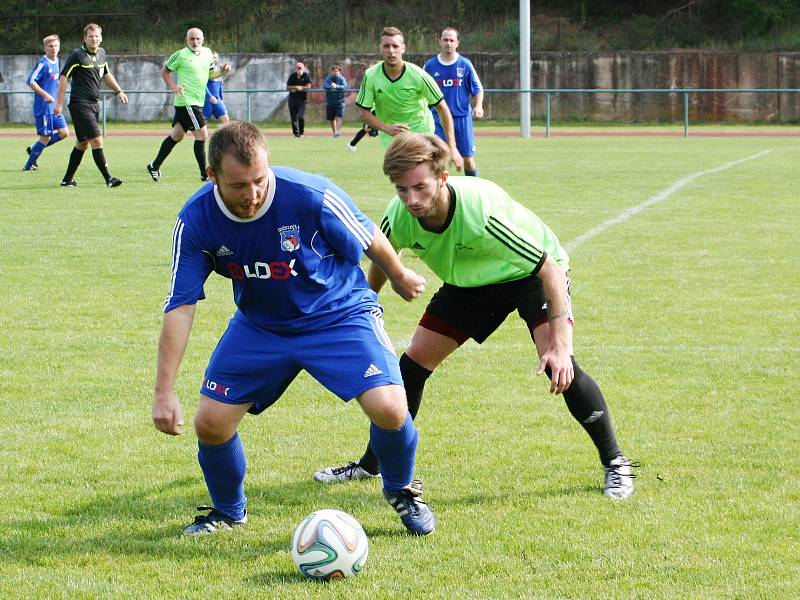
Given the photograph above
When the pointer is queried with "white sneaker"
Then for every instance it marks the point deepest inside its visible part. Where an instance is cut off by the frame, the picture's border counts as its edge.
(349, 472)
(619, 479)
(352, 148)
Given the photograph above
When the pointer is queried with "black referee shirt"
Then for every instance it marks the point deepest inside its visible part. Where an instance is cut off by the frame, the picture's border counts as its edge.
(86, 70)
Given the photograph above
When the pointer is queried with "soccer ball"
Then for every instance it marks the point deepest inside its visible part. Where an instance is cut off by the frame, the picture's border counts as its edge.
(329, 544)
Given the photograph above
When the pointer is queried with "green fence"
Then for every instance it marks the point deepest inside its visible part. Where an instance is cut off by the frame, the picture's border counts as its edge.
(548, 94)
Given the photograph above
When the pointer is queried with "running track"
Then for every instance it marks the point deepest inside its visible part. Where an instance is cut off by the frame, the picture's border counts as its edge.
(537, 133)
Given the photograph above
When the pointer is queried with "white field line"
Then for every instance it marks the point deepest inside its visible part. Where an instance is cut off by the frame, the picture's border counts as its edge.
(663, 195)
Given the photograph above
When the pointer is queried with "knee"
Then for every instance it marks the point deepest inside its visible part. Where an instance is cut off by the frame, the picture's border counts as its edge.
(391, 415)
(210, 431)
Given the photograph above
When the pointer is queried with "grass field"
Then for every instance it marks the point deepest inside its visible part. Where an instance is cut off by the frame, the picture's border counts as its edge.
(687, 315)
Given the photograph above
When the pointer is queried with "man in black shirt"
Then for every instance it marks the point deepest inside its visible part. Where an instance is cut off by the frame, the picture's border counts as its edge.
(87, 67)
(297, 84)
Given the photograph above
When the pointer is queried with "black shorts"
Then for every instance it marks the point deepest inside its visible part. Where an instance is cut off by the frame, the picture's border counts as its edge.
(462, 313)
(331, 112)
(190, 117)
(85, 117)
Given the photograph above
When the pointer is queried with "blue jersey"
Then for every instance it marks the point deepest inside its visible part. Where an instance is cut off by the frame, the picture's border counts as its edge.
(458, 81)
(214, 88)
(294, 266)
(45, 74)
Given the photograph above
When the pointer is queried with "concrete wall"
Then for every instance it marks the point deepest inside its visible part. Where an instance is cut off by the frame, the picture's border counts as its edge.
(573, 70)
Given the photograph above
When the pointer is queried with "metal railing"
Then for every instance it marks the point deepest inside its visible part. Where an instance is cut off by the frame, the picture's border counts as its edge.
(548, 94)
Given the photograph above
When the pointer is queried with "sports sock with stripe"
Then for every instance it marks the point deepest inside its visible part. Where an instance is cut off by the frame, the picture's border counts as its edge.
(587, 405)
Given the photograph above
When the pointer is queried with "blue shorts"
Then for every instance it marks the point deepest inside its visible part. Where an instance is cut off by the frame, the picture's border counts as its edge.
(333, 110)
(217, 110)
(254, 365)
(48, 125)
(465, 135)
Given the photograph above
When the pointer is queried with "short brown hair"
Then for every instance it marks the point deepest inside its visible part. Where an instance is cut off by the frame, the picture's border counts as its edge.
(408, 150)
(50, 38)
(390, 31)
(454, 30)
(91, 26)
(239, 139)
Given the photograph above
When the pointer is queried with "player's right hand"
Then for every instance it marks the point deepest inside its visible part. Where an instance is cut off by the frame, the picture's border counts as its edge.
(410, 285)
(179, 90)
(167, 413)
(57, 109)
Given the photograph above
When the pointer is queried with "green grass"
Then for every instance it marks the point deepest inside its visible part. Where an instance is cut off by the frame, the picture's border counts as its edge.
(687, 316)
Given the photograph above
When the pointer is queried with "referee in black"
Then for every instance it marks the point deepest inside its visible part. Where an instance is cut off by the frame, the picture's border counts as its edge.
(87, 66)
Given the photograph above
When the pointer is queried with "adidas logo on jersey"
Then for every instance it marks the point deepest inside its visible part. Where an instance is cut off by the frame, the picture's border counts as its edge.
(372, 370)
(224, 251)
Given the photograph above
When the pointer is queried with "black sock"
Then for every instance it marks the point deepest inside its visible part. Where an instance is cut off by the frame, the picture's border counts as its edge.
(166, 147)
(414, 378)
(200, 155)
(357, 138)
(586, 403)
(75, 159)
(100, 161)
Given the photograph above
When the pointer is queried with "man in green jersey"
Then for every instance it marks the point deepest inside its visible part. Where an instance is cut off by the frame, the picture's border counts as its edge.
(400, 94)
(194, 66)
(494, 256)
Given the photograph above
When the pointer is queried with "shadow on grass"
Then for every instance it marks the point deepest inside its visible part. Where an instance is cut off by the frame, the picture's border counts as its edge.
(142, 525)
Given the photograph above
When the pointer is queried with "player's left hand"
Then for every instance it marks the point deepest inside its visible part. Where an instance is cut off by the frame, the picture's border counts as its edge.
(123, 97)
(561, 370)
(225, 68)
(477, 112)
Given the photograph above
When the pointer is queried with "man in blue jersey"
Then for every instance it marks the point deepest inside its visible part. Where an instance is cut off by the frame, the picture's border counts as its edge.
(458, 80)
(215, 104)
(44, 81)
(291, 243)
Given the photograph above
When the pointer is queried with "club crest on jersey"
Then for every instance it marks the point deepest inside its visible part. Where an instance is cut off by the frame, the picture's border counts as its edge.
(290, 237)
(459, 72)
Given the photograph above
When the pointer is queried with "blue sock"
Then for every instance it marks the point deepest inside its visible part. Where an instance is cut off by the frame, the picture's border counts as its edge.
(54, 139)
(224, 467)
(36, 151)
(471, 173)
(396, 452)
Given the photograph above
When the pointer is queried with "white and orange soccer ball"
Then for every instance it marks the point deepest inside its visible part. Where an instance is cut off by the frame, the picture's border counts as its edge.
(329, 544)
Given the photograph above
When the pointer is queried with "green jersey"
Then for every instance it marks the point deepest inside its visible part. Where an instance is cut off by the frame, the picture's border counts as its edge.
(403, 100)
(193, 71)
(488, 236)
